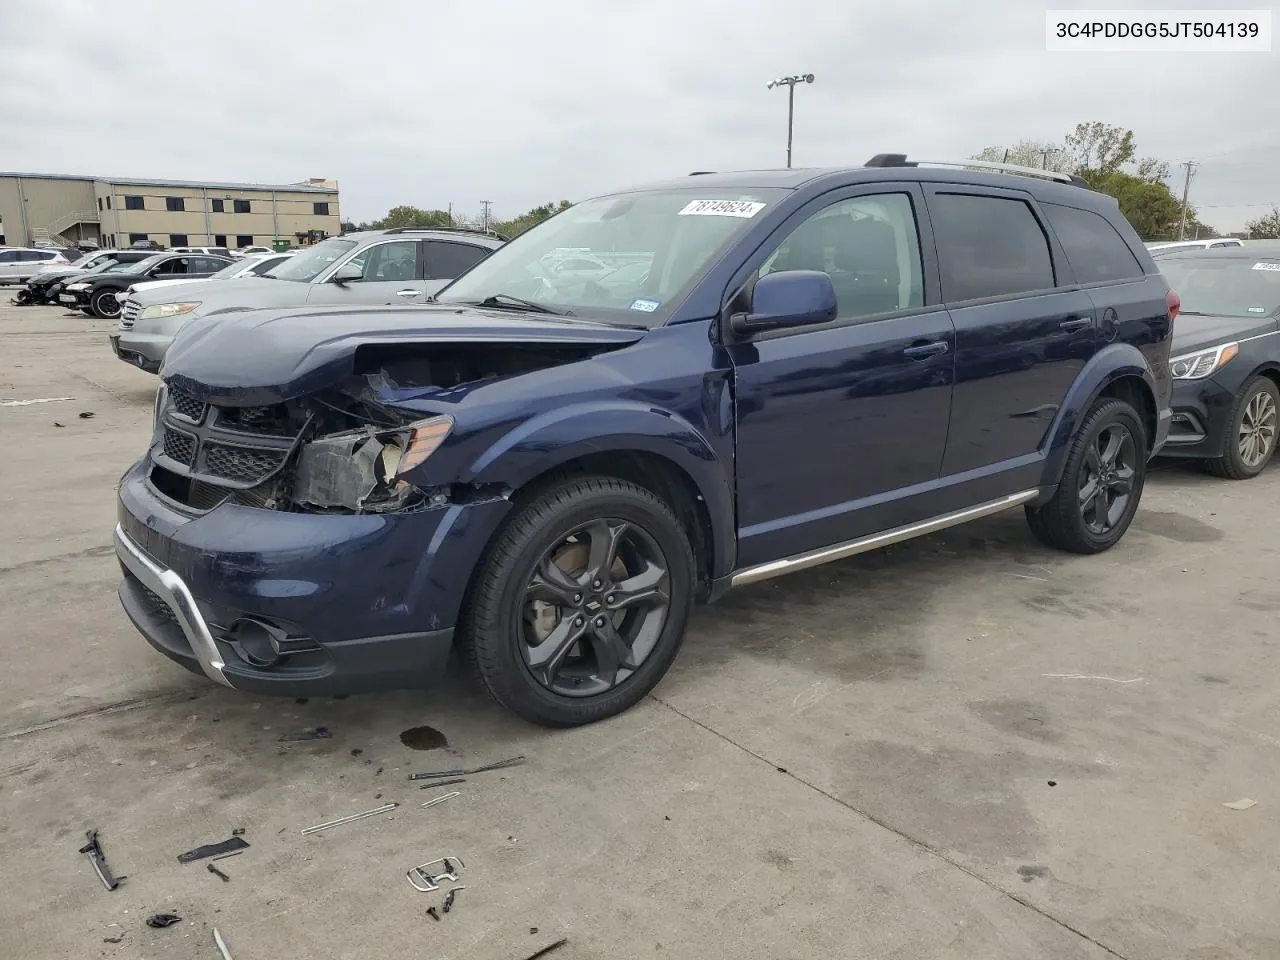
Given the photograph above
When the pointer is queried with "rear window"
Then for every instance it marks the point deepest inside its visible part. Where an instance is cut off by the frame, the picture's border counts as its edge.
(1238, 287)
(988, 247)
(1094, 249)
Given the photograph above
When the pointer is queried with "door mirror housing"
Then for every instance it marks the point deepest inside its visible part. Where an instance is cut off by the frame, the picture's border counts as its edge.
(789, 298)
(348, 273)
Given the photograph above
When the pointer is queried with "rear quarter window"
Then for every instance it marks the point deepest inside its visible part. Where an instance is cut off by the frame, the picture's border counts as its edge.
(1094, 248)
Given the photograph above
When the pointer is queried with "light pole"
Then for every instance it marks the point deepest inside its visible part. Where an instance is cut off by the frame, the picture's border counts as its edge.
(790, 84)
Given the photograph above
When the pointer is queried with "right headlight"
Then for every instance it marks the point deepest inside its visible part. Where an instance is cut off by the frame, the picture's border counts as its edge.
(78, 286)
(160, 310)
(1202, 363)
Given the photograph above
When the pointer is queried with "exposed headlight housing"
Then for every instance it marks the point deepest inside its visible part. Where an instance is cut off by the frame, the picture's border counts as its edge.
(78, 286)
(362, 470)
(1202, 363)
(160, 310)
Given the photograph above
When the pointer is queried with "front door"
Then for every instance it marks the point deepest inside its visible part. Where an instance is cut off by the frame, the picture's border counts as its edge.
(1024, 331)
(391, 272)
(840, 426)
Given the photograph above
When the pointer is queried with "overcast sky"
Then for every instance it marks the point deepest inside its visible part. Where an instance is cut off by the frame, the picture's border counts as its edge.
(440, 101)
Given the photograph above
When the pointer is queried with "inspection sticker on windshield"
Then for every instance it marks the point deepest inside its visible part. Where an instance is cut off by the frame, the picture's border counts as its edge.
(1267, 265)
(722, 208)
(645, 306)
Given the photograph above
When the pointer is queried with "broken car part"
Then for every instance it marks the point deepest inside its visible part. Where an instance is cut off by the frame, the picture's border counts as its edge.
(351, 819)
(448, 899)
(217, 873)
(500, 765)
(213, 849)
(162, 920)
(441, 783)
(221, 944)
(424, 881)
(93, 850)
(433, 914)
(545, 950)
(447, 796)
(319, 733)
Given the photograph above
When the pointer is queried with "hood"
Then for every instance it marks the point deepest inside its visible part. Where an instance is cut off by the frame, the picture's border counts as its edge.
(1193, 332)
(71, 276)
(228, 294)
(263, 357)
(148, 285)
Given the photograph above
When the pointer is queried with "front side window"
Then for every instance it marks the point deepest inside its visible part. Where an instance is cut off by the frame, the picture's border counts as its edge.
(388, 261)
(988, 247)
(675, 235)
(305, 267)
(868, 246)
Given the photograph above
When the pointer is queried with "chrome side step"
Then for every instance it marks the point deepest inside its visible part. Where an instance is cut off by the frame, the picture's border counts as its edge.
(850, 548)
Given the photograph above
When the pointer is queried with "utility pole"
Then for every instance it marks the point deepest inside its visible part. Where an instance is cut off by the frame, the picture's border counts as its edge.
(1044, 160)
(790, 84)
(484, 214)
(1186, 190)
(451, 213)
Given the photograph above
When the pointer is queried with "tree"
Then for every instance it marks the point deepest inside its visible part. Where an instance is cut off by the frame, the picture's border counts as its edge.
(406, 216)
(1099, 146)
(1025, 153)
(518, 225)
(1266, 227)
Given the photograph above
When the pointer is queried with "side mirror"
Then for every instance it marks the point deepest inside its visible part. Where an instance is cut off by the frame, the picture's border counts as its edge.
(789, 298)
(348, 273)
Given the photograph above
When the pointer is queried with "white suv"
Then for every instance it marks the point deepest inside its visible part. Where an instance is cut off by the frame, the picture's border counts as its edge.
(19, 264)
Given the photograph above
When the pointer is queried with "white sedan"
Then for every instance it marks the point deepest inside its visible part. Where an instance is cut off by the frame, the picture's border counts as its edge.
(251, 266)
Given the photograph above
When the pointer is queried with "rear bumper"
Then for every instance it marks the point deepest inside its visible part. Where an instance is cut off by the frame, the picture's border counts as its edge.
(359, 603)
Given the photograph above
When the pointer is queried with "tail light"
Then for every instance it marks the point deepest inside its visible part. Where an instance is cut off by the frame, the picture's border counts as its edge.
(1172, 304)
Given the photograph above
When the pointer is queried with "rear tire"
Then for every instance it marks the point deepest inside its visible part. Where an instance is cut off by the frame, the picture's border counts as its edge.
(106, 304)
(1251, 432)
(579, 605)
(1101, 485)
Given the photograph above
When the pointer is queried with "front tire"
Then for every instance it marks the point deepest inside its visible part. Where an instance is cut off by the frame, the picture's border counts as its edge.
(1101, 485)
(106, 304)
(1251, 432)
(579, 605)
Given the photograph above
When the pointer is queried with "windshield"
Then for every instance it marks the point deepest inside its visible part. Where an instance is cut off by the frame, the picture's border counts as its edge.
(140, 266)
(1239, 287)
(627, 259)
(102, 266)
(309, 264)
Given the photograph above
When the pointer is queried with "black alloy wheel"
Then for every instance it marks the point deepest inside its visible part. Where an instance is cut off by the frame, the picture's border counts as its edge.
(1101, 485)
(579, 605)
(106, 304)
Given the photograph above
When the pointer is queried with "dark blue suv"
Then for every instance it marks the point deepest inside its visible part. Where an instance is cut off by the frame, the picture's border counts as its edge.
(654, 396)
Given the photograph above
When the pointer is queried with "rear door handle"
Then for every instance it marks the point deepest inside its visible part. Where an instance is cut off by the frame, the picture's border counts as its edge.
(1079, 323)
(920, 351)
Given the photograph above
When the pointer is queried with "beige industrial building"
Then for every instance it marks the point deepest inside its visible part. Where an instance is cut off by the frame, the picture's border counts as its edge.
(174, 213)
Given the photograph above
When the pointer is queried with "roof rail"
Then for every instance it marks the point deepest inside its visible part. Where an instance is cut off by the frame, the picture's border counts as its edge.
(482, 233)
(701, 173)
(900, 160)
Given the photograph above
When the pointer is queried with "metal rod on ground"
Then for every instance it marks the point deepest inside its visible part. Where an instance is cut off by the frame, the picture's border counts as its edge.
(351, 819)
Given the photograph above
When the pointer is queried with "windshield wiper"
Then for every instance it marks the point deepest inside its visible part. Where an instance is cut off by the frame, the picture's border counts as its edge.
(505, 301)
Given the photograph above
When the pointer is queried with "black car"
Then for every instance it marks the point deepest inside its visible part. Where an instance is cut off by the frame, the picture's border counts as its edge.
(1226, 357)
(45, 287)
(100, 295)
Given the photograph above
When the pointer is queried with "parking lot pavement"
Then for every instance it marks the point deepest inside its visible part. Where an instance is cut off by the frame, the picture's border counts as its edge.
(964, 747)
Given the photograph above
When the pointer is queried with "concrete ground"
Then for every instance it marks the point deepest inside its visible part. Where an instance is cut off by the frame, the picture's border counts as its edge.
(965, 747)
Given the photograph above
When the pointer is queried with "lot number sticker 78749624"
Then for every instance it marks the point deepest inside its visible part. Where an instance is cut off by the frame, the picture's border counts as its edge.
(722, 208)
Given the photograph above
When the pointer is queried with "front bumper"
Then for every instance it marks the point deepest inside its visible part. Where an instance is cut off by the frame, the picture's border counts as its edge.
(1201, 411)
(140, 350)
(367, 602)
(75, 299)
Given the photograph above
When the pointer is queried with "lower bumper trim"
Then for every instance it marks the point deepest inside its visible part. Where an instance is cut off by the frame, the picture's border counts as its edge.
(170, 588)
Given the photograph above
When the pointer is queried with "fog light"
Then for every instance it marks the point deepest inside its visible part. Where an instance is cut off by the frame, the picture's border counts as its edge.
(258, 643)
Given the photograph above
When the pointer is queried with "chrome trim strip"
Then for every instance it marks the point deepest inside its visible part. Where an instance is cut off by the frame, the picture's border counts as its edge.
(170, 588)
(814, 558)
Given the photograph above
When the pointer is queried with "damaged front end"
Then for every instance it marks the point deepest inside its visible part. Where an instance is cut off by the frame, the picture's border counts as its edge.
(348, 449)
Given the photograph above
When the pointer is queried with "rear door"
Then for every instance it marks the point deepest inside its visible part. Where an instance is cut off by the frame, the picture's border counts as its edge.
(1024, 331)
(391, 272)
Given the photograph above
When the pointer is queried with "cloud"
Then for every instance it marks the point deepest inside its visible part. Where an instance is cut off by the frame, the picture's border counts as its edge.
(436, 102)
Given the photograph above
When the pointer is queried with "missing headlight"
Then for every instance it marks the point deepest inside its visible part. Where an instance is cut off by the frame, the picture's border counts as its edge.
(344, 470)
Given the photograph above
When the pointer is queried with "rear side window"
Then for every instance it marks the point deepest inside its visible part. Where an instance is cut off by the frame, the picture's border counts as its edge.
(448, 261)
(1094, 249)
(988, 247)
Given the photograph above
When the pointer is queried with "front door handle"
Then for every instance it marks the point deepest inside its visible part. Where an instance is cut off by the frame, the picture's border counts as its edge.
(920, 351)
(408, 293)
(1079, 323)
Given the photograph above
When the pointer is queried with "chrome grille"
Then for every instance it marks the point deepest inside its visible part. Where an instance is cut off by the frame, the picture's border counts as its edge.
(179, 447)
(129, 312)
(241, 464)
(185, 405)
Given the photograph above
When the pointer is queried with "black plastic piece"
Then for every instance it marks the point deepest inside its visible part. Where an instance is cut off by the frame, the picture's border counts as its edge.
(93, 850)
(213, 849)
(889, 160)
(217, 873)
(443, 783)
(163, 920)
(319, 733)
